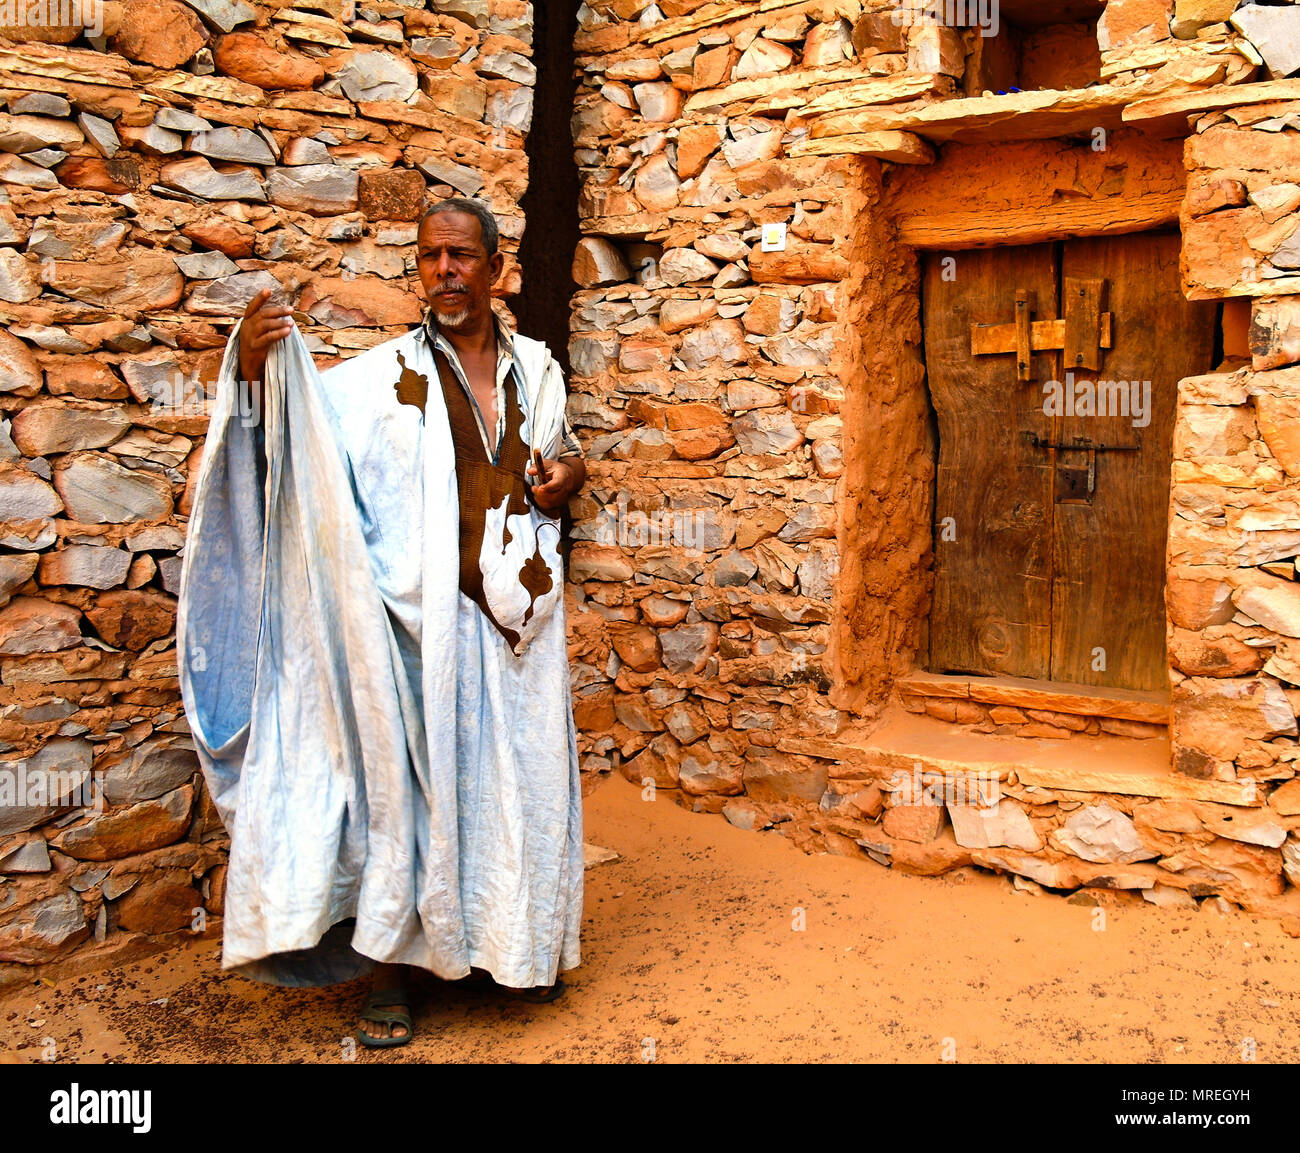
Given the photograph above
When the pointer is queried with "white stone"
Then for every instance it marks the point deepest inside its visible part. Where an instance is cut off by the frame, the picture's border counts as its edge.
(1103, 835)
(658, 102)
(206, 265)
(1167, 897)
(767, 432)
(1275, 201)
(319, 189)
(656, 184)
(98, 490)
(223, 15)
(1276, 607)
(685, 266)
(762, 58)
(178, 120)
(368, 74)
(462, 178)
(507, 66)
(196, 176)
(25, 496)
(15, 170)
(28, 133)
(17, 282)
(40, 104)
(237, 144)
(1275, 33)
(759, 146)
(828, 44)
(93, 566)
(1004, 825)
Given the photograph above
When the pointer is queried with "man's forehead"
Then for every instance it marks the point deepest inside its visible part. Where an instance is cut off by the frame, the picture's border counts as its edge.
(450, 226)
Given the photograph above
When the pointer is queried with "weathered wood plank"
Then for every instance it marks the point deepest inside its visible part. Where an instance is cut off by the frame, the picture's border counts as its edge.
(991, 611)
(1082, 342)
(1108, 608)
(990, 339)
(1150, 707)
(1024, 319)
(976, 228)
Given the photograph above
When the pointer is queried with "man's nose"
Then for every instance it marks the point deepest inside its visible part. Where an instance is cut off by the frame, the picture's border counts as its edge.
(444, 265)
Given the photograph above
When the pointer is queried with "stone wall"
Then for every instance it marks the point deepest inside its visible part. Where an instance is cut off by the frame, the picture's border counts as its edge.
(152, 180)
(1234, 604)
(750, 576)
(709, 378)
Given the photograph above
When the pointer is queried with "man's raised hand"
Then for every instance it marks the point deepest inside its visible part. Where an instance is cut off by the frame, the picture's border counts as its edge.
(264, 323)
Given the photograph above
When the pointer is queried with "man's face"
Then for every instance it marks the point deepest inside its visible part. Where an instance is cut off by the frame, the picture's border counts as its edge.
(455, 270)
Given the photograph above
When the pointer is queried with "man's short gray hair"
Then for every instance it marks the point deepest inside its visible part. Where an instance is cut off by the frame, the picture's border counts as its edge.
(476, 208)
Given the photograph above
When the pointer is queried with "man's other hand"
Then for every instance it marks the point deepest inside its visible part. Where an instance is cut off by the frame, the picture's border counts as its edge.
(264, 324)
(561, 479)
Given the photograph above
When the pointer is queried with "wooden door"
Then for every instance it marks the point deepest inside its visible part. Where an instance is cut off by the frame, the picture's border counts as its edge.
(1052, 500)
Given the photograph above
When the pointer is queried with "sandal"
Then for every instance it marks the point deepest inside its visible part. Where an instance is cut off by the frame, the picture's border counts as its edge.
(372, 1010)
(539, 994)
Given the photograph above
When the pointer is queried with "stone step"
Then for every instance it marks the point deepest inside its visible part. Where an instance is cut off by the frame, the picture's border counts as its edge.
(1081, 700)
(904, 743)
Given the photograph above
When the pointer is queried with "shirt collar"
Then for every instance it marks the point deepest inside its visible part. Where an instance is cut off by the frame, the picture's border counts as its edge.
(505, 338)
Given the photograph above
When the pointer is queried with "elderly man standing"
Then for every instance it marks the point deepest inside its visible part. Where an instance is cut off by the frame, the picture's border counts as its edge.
(372, 647)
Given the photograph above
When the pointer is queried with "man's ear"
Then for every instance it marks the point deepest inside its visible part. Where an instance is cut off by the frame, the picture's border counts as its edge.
(496, 265)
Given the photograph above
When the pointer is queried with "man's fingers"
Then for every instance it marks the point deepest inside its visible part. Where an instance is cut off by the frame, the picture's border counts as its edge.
(257, 302)
(259, 308)
(269, 336)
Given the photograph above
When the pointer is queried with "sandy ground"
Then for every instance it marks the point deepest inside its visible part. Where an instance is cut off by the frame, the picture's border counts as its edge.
(706, 943)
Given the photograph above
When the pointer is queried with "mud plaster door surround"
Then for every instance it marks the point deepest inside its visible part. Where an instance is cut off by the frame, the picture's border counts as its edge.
(893, 252)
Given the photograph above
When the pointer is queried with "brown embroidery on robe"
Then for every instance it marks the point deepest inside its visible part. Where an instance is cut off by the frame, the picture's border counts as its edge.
(536, 578)
(412, 387)
(482, 484)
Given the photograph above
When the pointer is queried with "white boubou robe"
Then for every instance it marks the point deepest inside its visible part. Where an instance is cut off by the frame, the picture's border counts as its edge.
(375, 748)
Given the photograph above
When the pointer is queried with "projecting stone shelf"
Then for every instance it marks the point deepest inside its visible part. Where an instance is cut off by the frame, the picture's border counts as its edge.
(1015, 116)
(1173, 108)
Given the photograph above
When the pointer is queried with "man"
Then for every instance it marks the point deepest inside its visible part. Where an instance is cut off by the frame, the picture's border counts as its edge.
(372, 647)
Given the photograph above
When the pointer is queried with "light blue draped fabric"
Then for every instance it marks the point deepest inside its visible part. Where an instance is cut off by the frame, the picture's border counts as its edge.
(374, 747)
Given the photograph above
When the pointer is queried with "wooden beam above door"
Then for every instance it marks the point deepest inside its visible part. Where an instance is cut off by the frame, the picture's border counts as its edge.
(985, 226)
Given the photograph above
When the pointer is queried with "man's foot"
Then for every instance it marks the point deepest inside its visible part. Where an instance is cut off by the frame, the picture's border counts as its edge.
(538, 994)
(386, 1012)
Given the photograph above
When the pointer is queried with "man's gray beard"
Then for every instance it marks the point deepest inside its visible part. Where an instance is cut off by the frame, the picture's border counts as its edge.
(454, 321)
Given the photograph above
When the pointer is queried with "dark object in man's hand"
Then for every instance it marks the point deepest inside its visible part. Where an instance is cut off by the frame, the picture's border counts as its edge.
(543, 477)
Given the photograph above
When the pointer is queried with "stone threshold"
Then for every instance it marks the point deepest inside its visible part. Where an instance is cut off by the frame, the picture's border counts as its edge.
(902, 742)
(1149, 707)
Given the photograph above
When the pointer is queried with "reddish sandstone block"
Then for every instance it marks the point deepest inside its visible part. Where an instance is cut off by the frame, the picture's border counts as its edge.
(394, 195)
(919, 823)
